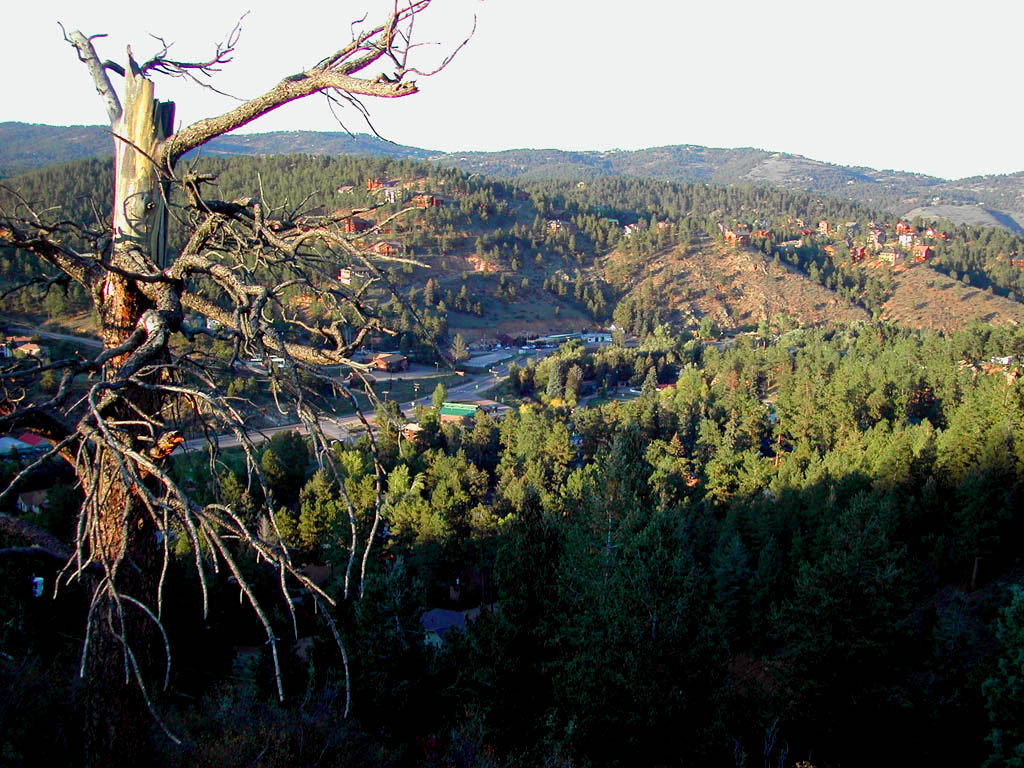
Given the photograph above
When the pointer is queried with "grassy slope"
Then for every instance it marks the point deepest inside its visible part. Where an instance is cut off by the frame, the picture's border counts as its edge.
(925, 298)
(735, 286)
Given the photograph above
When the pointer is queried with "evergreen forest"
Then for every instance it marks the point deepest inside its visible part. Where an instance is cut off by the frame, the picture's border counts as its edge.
(792, 546)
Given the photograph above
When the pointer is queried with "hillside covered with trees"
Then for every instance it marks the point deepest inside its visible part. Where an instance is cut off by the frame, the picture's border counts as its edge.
(551, 256)
(779, 512)
(771, 551)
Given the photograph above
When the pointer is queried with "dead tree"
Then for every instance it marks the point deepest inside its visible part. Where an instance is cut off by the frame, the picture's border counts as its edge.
(120, 429)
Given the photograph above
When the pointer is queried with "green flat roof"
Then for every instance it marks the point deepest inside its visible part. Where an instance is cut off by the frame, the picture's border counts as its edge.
(457, 409)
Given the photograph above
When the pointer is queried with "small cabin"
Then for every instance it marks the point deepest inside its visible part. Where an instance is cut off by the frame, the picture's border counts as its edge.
(390, 361)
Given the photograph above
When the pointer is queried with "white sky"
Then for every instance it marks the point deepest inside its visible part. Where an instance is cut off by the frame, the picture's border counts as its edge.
(919, 85)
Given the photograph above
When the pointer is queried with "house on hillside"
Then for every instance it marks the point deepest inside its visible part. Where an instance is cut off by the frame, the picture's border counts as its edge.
(923, 253)
(823, 227)
(876, 236)
(890, 257)
(388, 248)
(735, 237)
(906, 240)
(903, 228)
(481, 265)
(354, 225)
(427, 201)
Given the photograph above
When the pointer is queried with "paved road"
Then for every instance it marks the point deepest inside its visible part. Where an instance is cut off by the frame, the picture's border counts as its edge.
(342, 428)
(84, 341)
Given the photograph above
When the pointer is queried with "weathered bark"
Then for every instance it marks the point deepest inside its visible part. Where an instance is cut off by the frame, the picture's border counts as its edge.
(123, 643)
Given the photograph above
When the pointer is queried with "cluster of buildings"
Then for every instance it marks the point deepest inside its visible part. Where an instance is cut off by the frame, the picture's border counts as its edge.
(457, 413)
(906, 242)
(394, 191)
(914, 242)
(386, 191)
(563, 225)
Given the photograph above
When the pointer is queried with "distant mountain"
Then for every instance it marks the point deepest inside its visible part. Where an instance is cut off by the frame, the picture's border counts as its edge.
(981, 200)
(26, 146)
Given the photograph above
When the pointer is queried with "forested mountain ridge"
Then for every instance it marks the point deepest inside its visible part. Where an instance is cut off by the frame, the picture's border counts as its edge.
(993, 200)
(516, 258)
(25, 146)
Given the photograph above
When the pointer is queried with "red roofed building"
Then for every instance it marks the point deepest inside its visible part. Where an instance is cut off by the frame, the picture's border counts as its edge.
(34, 440)
(737, 238)
(923, 252)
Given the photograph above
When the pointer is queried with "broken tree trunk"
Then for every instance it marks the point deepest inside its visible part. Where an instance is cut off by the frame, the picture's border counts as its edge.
(124, 652)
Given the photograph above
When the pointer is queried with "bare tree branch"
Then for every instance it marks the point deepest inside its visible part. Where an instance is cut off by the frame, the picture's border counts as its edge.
(335, 73)
(87, 55)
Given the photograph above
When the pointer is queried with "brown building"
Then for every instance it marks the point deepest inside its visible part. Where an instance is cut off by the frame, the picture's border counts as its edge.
(427, 201)
(354, 224)
(389, 361)
(387, 248)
